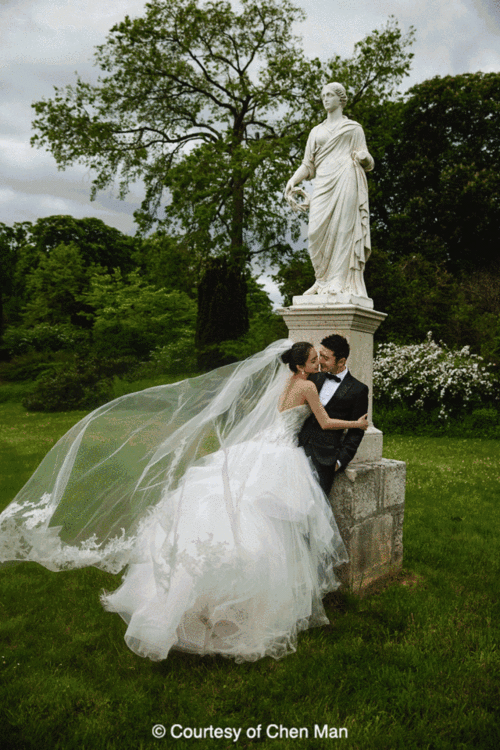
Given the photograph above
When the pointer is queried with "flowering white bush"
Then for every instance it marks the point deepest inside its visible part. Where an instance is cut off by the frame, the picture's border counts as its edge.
(430, 375)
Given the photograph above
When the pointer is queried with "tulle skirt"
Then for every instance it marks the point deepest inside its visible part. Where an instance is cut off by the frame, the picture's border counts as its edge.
(235, 561)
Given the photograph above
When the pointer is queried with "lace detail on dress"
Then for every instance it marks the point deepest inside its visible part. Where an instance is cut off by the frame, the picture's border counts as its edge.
(29, 537)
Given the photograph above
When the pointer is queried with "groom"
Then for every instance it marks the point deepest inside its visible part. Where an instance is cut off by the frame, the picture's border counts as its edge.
(343, 397)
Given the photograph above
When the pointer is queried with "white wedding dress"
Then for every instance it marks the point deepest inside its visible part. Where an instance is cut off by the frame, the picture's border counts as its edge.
(236, 560)
(199, 492)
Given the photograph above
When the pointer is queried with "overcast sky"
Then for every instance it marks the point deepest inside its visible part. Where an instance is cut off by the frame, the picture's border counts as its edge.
(43, 42)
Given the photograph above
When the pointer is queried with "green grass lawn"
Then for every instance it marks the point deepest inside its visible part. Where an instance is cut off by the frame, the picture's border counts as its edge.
(413, 664)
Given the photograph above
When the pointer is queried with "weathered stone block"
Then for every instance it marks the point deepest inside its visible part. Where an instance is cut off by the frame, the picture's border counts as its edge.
(371, 549)
(364, 489)
(394, 481)
(368, 503)
(397, 551)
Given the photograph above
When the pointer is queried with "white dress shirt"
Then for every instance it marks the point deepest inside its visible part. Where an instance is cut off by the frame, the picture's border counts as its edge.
(328, 389)
(330, 386)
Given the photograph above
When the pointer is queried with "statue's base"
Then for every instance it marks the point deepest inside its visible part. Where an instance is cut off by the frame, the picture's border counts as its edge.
(340, 298)
(368, 504)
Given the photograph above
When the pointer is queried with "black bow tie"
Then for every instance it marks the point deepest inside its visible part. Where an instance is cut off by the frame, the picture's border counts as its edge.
(330, 376)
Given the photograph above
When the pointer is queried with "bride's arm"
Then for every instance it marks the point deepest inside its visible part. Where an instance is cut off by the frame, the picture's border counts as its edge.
(326, 422)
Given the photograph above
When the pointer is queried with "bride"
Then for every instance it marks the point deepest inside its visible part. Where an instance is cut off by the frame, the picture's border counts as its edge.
(199, 488)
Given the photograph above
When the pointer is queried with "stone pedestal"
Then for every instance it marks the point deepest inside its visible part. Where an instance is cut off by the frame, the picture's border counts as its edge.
(368, 498)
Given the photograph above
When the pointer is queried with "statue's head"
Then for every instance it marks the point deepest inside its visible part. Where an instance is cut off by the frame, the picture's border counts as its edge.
(336, 88)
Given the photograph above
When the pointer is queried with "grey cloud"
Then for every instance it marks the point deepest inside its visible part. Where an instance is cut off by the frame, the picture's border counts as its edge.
(43, 42)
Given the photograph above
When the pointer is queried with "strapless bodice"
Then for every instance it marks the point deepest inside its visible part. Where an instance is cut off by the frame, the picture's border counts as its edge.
(287, 425)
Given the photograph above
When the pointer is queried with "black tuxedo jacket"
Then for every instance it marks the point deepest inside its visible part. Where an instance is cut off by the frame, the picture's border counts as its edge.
(350, 401)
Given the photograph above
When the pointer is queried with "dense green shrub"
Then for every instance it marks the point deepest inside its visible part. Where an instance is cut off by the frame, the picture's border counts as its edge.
(44, 337)
(179, 356)
(132, 318)
(120, 339)
(33, 364)
(13, 392)
(86, 384)
(54, 288)
(481, 418)
(404, 420)
(66, 391)
(172, 359)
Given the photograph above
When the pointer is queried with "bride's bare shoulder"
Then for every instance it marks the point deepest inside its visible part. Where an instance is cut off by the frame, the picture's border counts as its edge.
(303, 386)
(295, 393)
(308, 386)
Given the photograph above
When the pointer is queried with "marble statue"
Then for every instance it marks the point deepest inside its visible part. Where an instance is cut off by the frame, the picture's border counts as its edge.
(337, 158)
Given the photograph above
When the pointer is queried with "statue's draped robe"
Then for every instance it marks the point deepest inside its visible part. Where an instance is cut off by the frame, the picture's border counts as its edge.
(339, 230)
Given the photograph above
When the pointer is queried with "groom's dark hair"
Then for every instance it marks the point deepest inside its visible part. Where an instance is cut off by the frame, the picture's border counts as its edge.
(337, 344)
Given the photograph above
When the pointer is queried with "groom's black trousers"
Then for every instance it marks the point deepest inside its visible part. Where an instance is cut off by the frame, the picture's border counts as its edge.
(326, 472)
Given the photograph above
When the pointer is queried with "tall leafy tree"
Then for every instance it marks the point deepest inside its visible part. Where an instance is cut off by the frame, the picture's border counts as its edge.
(55, 287)
(441, 175)
(92, 243)
(189, 101)
(96, 241)
(211, 105)
(167, 263)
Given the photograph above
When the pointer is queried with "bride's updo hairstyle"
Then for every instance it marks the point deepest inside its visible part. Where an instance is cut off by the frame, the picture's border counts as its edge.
(297, 355)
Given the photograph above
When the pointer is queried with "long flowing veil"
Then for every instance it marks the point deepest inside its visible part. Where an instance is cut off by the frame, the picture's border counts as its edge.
(85, 502)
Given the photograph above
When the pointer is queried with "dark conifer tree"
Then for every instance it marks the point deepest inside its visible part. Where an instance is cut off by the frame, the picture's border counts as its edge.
(222, 311)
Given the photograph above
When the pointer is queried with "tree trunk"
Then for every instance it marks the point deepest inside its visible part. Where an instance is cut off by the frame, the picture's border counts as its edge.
(237, 249)
(222, 302)
(222, 311)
